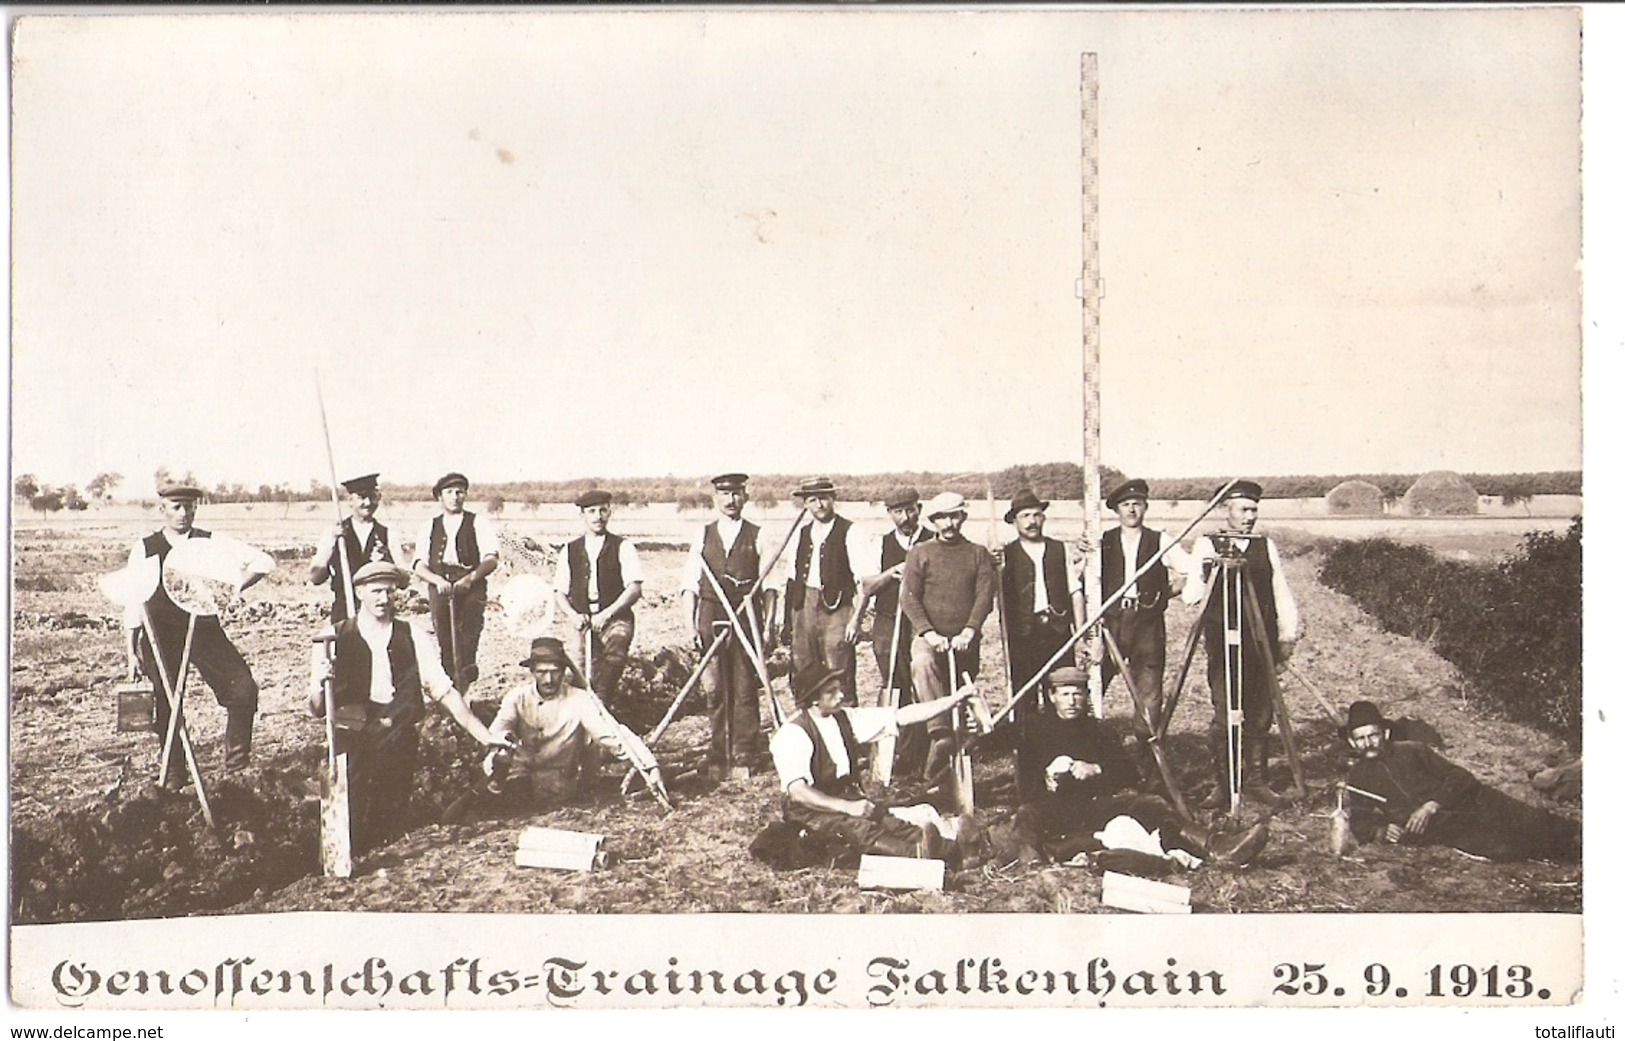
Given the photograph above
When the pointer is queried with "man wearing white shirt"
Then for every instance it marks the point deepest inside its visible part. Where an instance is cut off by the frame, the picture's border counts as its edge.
(1136, 620)
(382, 668)
(598, 580)
(1261, 566)
(456, 550)
(821, 600)
(365, 541)
(216, 659)
(730, 549)
(1043, 594)
(881, 580)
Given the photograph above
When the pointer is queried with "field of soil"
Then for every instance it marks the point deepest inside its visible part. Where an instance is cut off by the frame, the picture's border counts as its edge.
(93, 838)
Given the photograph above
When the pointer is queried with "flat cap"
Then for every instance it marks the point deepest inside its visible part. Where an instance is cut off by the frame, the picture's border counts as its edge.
(944, 503)
(177, 490)
(1068, 676)
(814, 486)
(593, 497)
(360, 485)
(907, 495)
(380, 571)
(729, 482)
(451, 480)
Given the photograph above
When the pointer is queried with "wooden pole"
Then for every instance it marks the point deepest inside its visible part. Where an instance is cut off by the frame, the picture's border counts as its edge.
(1089, 290)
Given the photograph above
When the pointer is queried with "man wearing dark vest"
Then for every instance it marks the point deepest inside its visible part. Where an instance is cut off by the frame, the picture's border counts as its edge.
(382, 670)
(883, 586)
(816, 756)
(217, 661)
(1043, 594)
(820, 601)
(598, 580)
(729, 550)
(1136, 620)
(1261, 564)
(456, 550)
(365, 541)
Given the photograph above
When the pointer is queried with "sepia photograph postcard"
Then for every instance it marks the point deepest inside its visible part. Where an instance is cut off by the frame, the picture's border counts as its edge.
(825, 507)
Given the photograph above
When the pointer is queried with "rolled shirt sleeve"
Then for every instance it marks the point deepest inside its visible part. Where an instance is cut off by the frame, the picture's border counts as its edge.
(436, 684)
(1286, 606)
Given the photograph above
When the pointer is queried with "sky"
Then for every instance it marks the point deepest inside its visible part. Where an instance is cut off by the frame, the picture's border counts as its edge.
(552, 245)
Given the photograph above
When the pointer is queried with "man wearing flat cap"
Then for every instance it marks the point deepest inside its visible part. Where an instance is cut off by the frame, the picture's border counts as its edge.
(816, 756)
(947, 595)
(1136, 620)
(547, 724)
(1043, 593)
(365, 541)
(382, 669)
(821, 599)
(882, 584)
(598, 580)
(1260, 563)
(727, 560)
(1084, 782)
(216, 659)
(1404, 792)
(456, 550)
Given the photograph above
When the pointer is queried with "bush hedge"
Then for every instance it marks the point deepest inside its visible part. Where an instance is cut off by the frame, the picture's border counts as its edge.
(1513, 628)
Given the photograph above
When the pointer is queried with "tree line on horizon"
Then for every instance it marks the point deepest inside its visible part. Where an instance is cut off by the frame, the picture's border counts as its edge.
(1054, 481)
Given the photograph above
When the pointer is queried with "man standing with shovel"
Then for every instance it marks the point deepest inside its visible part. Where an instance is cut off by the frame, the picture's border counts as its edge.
(598, 580)
(456, 550)
(217, 660)
(892, 632)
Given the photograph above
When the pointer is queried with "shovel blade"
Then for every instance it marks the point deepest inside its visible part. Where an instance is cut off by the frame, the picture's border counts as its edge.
(336, 861)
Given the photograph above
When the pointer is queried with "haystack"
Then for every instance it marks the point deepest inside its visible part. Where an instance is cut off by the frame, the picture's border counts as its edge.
(1441, 493)
(1354, 499)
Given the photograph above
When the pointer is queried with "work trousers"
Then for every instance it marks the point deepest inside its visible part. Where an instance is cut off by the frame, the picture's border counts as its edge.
(930, 673)
(382, 763)
(218, 663)
(1250, 668)
(610, 650)
(1498, 827)
(887, 835)
(1034, 639)
(467, 611)
(1142, 636)
(1063, 828)
(818, 641)
(910, 750)
(732, 693)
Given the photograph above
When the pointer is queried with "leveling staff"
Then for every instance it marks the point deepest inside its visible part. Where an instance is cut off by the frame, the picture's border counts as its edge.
(1262, 567)
(365, 541)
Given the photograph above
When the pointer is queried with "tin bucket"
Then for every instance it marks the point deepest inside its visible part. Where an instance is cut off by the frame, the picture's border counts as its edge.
(135, 708)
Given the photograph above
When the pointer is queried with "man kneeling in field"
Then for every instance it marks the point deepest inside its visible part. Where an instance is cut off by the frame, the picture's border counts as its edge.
(816, 756)
(1083, 784)
(548, 724)
(1404, 792)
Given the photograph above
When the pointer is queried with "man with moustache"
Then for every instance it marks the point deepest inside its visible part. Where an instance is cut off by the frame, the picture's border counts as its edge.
(365, 541)
(598, 580)
(821, 599)
(1043, 593)
(883, 586)
(456, 550)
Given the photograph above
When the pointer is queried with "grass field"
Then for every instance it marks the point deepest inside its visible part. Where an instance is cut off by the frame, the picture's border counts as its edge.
(94, 839)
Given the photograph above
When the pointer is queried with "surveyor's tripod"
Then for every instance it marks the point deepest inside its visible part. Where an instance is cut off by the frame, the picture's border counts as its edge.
(1243, 641)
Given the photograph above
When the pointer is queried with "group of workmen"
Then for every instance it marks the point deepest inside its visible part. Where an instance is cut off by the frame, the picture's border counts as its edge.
(933, 591)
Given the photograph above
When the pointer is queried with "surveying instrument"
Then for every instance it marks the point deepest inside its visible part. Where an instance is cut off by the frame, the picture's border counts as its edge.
(1233, 624)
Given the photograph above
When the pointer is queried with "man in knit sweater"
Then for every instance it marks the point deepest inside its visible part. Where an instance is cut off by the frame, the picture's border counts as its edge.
(947, 596)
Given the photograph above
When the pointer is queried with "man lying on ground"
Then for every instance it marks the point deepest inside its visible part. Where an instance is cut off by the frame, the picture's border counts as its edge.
(548, 723)
(1085, 783)
(1404, 792)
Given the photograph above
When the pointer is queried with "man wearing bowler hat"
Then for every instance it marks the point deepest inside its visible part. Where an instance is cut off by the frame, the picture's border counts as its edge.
(1043, 594)
(365, 541)
(882, 584)
(216, 659)
(382, 669)
(1136, 620)
(1261, 565)
(729, 554)
(598, 580)
(821, 599)
(947, 595)
(456, 550)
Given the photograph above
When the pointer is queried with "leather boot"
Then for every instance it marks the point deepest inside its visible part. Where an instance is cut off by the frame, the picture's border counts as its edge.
(1240, 849)
(1255, 779)
(239, 737)
(1219, 747)
(937, 757)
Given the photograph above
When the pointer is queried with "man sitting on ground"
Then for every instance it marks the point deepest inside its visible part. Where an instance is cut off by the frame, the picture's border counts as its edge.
(1084, 782)
(1404, 792)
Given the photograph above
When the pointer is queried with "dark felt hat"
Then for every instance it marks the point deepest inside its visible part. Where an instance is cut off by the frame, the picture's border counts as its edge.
(1244, 490)
(1024, 500)
(1363, 714)
(907, 495)
(1134, 488)
(815, 486)
(813, 682)
(729, 482)
(177, 490)
(361, 485)
(546, 649)
(593, 497)
(380, 571)
(451, 480)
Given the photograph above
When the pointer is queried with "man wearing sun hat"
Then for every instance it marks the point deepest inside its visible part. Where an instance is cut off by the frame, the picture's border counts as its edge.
(1136, 620)
(1043, 593)
(1261, 564)
(382, 670)
(1404, 792)
(882, 584)
(455, 552)
(217, 660)
(599, 578)
(365, 540)
(947, 595)
(821, 599)
(730, 550)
